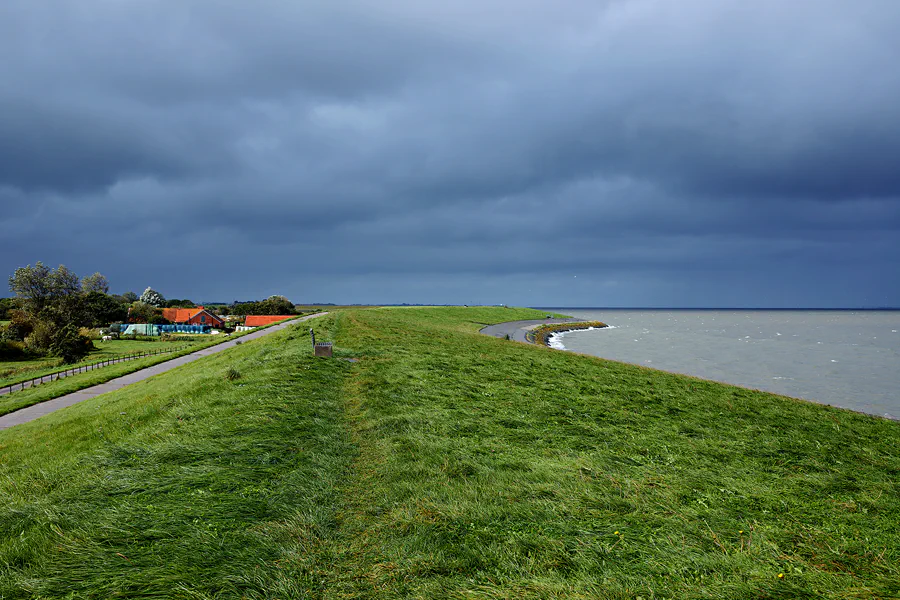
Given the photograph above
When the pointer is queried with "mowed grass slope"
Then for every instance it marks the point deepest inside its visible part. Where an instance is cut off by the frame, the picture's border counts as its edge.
(186, 485)
(446, 464)
(48, 390)
(15, 371)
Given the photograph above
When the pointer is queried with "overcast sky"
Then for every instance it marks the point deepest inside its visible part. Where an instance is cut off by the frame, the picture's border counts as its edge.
(570, 153)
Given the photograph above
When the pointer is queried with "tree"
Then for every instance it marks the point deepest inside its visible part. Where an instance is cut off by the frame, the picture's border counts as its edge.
(50, 300)
(130, 297)
(40, 288)
(175, 303)
(20, 326)
(273, 305)
(69, 344)
(152, 297)
(95, 283)
(99, 310)
(7, 305)
(141, 312)
(278, 305)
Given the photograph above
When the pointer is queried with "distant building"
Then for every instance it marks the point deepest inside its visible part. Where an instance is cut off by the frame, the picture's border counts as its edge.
(141, 329)
(192, 316)
(260, 320)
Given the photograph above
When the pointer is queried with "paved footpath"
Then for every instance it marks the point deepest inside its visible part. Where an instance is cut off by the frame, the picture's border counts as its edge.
(31, 413)
(72, 372)
(517, 330)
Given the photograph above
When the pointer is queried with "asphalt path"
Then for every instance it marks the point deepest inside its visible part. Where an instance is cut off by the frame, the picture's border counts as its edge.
(36, 411)
(517, 330)
(9, 389)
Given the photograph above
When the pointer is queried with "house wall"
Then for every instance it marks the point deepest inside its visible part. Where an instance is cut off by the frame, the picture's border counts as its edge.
(210, 320)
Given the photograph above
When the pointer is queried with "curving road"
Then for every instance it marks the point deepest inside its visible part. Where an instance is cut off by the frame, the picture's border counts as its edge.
(36, 411)
(517, 330)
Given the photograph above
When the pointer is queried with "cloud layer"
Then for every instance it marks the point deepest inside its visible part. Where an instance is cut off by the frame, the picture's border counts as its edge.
(632, 152)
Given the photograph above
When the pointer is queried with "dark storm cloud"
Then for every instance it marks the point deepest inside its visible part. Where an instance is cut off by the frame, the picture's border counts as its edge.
(403, 151)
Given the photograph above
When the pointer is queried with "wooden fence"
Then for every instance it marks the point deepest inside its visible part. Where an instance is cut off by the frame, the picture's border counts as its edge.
(56, 375)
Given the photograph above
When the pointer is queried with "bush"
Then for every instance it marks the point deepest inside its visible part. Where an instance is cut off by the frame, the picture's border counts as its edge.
(19, 328)
(91, 334)
(7, 305)
(10, 350)
(180, 337)
(40, 339)
(142, 338)
(69, 344)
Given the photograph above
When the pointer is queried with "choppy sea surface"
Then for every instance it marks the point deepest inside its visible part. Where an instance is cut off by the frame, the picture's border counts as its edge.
(843, 358)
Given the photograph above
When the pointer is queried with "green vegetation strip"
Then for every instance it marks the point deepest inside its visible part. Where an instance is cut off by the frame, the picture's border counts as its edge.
(54, 389)
(445, 464)
(79, 381)
(16, 371)
(91, 364)
(541, 335)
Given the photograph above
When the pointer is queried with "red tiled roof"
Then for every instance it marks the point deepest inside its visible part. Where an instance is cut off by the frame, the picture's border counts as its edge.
(180, 315)
(260, 320)
(184, 315)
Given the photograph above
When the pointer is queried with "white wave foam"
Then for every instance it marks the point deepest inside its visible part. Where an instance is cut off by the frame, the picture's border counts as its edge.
(555, 340)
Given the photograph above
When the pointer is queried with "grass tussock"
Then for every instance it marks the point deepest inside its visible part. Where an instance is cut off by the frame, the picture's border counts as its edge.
(445, 464)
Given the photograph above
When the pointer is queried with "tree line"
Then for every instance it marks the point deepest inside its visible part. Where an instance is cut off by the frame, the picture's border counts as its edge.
(52, 308)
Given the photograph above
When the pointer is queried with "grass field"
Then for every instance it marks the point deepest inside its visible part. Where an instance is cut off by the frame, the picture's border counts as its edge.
(19, 370)
(445, 464)
(78, 381)
(54, 389)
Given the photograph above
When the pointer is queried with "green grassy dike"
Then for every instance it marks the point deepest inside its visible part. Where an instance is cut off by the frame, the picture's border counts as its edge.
(445, 464)
(72, 383)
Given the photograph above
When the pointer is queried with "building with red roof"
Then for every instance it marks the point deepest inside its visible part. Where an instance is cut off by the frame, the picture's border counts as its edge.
(192, 316)
(260, 320)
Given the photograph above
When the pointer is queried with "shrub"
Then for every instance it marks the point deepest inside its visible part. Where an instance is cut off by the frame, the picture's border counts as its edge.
(89, 333)
(40, 339)
(69, 344)
(10, 350)
(181, 337)
(19, 328)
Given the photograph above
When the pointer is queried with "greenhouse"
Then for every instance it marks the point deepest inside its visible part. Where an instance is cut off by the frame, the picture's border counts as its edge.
(148, 329)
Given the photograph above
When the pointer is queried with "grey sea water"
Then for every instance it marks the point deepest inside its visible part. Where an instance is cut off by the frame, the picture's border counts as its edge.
(849, 359)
